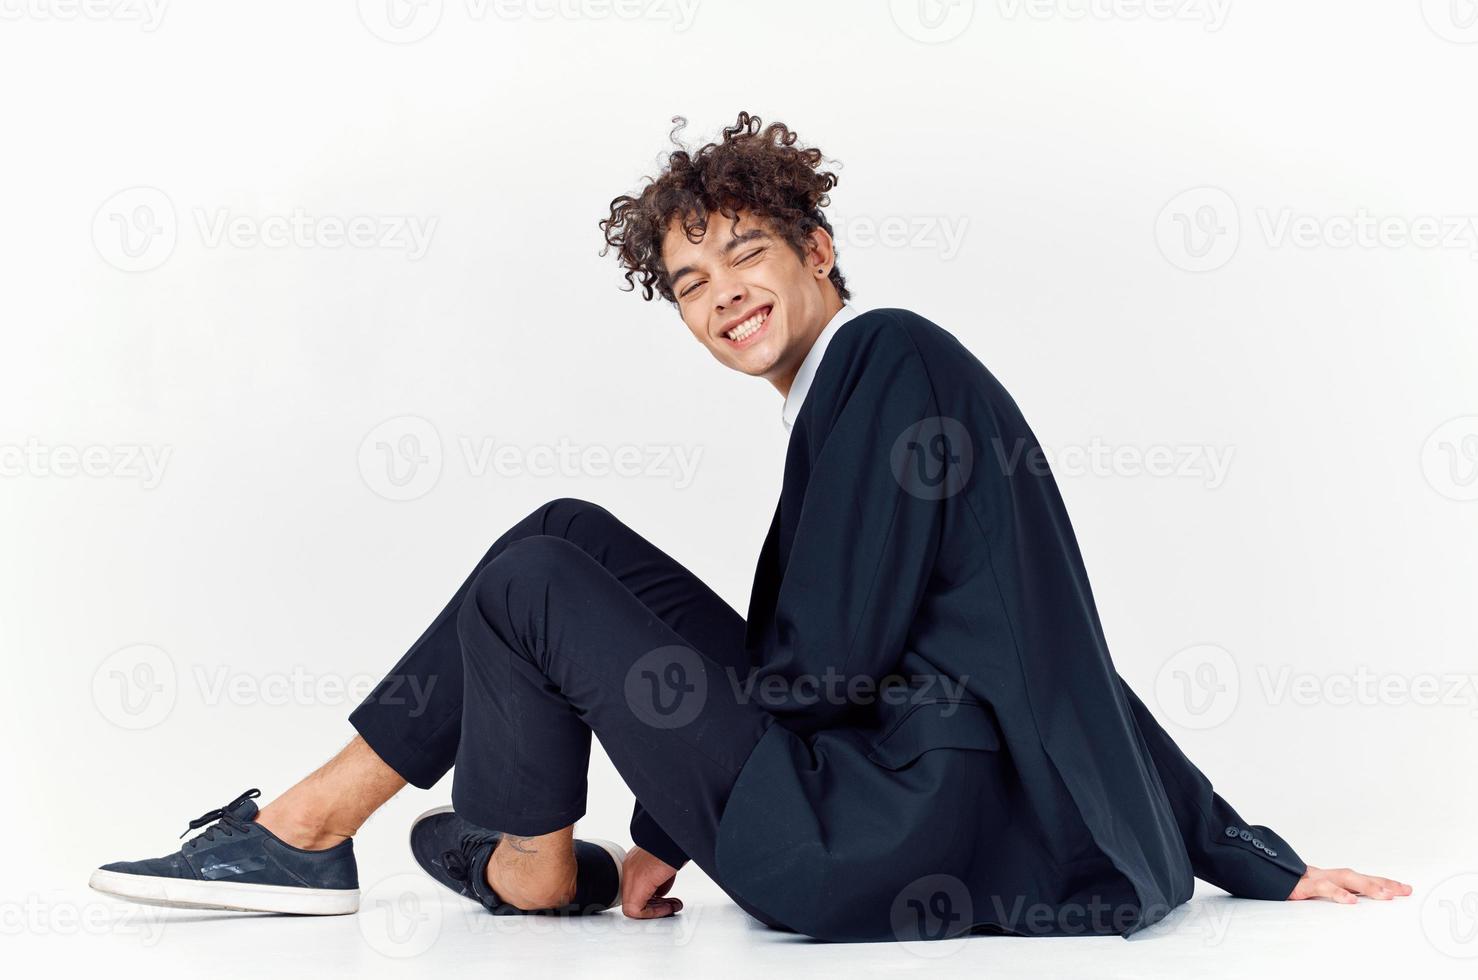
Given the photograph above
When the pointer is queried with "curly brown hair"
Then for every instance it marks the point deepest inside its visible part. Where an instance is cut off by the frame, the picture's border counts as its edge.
(760, 170)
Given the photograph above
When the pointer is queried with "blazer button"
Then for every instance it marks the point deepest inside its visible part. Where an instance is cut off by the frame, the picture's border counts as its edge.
(1231, 831)
(1272, 853)
(1245, 835)
(1257, 843)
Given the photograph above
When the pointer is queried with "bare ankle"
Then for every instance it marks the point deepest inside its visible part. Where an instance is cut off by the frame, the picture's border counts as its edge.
(330, 804)
(533, 877)
(301, 826)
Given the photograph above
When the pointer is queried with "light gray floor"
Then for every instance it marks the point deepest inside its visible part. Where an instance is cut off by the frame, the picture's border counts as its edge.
(405, 927)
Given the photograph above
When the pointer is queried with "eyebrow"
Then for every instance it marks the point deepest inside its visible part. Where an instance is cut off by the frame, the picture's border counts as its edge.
(733, 243)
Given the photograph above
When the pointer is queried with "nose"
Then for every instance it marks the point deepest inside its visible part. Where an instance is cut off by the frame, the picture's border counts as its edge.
(728, 292)
(730, 298)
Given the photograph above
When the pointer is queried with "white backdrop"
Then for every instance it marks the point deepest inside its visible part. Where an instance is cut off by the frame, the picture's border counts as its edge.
(302, 306)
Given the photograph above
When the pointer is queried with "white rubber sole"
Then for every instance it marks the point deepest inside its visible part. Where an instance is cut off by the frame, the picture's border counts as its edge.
(616, 851)
(186, 893)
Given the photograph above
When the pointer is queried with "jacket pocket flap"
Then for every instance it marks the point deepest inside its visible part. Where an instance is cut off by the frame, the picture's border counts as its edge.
(936, 725)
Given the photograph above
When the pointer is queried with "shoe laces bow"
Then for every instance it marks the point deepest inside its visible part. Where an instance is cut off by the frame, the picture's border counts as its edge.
(224, 819)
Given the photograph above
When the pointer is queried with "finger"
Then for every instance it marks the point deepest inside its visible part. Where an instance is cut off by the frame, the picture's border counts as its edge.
(665, 906)
(1396, 887)
(1351, 880)
(1364, 884)
(641, 900)
(653, 908)
(1326, 888)
(640, 880)
(1387, 888)
(634, 894)
(637, 908)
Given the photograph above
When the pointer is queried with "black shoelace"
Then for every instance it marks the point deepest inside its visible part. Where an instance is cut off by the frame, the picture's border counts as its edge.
(458, 861)
(222, 819)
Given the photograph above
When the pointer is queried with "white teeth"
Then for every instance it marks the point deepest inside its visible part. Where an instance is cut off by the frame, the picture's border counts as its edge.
(747, 327)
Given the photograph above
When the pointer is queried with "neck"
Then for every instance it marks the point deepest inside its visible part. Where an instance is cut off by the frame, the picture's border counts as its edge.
(783, 381)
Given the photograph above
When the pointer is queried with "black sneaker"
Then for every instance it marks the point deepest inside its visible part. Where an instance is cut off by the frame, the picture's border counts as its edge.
(456, 854)
(238, 864)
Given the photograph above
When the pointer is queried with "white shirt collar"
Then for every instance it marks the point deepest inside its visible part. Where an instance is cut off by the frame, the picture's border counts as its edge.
(807, 373)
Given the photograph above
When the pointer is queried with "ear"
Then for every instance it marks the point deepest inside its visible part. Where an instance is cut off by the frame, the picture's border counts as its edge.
(820, 253)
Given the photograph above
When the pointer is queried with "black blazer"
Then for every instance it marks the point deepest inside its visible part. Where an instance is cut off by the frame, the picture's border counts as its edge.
(1011, 781)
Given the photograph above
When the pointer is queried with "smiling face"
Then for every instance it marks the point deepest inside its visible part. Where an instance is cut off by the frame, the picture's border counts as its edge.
(747, 296)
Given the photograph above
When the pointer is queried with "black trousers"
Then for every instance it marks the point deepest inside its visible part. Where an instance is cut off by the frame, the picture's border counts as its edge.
(572, 623)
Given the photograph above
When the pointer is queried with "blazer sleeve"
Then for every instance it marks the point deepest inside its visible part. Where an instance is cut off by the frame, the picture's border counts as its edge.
(1247, 860)
(646, 834)
(866, 537)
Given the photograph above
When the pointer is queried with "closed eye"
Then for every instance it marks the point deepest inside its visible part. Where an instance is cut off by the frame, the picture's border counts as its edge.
(741, 260)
